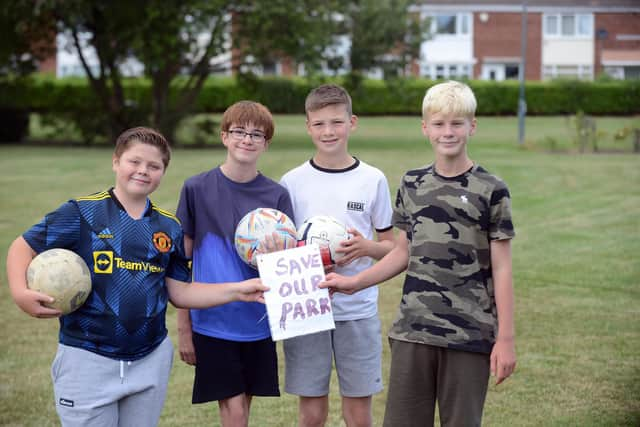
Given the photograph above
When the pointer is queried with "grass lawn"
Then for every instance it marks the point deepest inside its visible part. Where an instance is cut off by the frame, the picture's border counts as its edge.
(576, 269)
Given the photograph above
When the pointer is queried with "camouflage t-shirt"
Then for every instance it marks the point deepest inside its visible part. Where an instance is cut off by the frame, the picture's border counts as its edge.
(448, 295)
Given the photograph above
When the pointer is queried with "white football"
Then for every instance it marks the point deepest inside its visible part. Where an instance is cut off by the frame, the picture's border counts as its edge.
(326, 232)
(63, 275)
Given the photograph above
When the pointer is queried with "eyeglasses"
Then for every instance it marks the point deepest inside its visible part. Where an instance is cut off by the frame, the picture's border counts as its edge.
(239, 135)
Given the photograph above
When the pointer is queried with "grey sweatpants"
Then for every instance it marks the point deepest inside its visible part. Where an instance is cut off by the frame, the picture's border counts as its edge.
(93, 390)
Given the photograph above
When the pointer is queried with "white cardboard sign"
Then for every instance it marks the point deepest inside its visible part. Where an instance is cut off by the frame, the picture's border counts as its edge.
(295, 304)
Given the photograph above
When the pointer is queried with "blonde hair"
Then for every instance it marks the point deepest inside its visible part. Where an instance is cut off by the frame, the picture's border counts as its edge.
(450, 97)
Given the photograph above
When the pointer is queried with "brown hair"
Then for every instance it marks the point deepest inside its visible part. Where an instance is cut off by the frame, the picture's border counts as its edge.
(326, 95)
(244, 112)
(143, 135)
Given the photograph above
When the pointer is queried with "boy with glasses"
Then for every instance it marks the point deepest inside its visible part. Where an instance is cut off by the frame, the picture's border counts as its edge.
(230, 346)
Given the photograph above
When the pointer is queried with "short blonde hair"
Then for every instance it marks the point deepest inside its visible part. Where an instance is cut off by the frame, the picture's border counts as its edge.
(450, 97)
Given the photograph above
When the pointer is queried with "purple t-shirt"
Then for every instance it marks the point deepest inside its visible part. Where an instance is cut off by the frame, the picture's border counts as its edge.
(210, 207)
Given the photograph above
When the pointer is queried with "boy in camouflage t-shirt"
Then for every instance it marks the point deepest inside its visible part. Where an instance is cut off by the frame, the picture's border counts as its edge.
(455, 321)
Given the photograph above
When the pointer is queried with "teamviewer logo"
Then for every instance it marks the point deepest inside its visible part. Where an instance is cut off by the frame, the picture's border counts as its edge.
(103, 262)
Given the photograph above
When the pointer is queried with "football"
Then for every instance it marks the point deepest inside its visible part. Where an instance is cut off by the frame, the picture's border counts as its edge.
(63, 275)
(257, 224)
(326, 232)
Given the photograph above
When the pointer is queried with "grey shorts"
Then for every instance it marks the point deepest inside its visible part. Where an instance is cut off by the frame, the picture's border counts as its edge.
(98, 391)
(356, 346)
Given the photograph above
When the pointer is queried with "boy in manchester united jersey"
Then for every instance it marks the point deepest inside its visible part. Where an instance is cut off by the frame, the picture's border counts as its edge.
(114, 356)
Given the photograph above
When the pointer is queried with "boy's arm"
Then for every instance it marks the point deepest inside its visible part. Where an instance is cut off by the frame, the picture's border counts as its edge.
(202, 295)
(185, 335)
(19, 256)
(358, 246)
(393, 263)
(503, 355)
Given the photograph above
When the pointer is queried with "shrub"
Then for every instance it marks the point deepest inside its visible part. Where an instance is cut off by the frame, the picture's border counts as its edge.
(73, 97)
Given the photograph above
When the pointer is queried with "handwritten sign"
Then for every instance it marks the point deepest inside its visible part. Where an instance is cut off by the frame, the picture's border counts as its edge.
(295, 304)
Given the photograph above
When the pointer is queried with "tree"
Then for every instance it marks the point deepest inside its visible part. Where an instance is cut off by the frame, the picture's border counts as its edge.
(384, 34)
(177, 44)
(169, 38)
(23, 42)
(300, 30)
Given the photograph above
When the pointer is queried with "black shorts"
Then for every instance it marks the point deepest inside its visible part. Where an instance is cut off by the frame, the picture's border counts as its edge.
(228, 368)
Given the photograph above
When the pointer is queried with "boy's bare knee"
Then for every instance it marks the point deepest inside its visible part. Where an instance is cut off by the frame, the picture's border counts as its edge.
(357, 411)
(234, 412)
(313, 411)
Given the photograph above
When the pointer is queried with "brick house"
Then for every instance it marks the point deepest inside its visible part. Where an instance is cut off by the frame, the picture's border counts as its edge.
(482, 39)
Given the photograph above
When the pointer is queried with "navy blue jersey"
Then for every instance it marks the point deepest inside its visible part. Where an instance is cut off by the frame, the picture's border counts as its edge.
(124, 315)
(210, 207)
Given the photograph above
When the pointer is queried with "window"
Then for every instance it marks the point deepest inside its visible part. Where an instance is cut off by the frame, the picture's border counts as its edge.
(568, 25)
(552, 24)
(451, 24)
(445, 24)
(511, 71)
(464, 24)
(632, 72)
(585, 25)
(584, 72)
(448, 71)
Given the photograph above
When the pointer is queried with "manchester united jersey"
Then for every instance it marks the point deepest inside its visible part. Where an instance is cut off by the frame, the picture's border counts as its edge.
(124, 315)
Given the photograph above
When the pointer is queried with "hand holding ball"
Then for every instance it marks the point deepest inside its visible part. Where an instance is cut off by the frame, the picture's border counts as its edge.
(327, 232)
(256, 227)
(63, 275)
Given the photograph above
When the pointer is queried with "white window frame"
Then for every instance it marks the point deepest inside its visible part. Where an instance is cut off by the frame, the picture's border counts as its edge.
(582, 72)
(460, 20)
(577, 18)
(442, 71)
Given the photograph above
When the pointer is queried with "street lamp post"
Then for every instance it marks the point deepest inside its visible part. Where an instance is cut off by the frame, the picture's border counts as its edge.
(522, 103)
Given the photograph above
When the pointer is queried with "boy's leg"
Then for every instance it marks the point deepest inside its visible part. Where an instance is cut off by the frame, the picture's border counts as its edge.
(313, 411)
(308, 362)
(356, 411)
(412, 385)
(85, 387)
(234, 411)
(357, 345)
(146, 380)
(463, 379)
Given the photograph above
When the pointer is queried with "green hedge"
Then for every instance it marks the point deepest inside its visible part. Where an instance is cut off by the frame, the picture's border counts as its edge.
(373, 97)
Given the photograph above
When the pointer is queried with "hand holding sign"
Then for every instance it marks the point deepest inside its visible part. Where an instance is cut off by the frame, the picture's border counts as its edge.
(295, 303)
